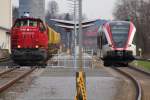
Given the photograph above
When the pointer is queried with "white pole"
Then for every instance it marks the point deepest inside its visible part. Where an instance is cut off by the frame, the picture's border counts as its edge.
(75, 35)
(80, 34)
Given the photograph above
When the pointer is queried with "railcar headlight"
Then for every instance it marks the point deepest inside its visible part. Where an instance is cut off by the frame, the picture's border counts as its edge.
(129, 45)
(36, 46)
(19, 46)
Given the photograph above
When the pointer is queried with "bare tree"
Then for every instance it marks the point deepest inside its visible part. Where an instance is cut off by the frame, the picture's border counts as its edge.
(52, 11)
(68, 16)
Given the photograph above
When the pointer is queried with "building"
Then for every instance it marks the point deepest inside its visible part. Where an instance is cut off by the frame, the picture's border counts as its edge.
(89, 37)
(5, 23)
(36, 8)
(4, 38)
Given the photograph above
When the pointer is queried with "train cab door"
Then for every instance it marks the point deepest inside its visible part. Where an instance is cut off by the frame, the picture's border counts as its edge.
(99, 43)
(101, 40)
(104, 46)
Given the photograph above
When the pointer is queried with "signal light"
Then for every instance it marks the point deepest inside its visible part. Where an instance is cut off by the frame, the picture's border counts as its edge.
(36, 46)
(19, 46)
(129, 18)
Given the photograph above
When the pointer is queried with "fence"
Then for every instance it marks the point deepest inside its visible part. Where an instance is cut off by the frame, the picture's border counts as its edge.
(68, 61)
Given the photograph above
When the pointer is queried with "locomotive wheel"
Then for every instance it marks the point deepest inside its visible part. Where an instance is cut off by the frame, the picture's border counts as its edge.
(42, 64)
(106, 63)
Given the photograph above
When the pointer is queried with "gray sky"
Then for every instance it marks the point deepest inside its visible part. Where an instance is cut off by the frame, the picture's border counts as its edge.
(92, 8)
(99, 8)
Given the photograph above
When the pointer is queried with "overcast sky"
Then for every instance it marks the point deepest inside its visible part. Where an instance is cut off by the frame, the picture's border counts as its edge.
(92, 8)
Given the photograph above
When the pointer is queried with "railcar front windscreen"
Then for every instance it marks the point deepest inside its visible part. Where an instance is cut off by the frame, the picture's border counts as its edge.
(120, 32)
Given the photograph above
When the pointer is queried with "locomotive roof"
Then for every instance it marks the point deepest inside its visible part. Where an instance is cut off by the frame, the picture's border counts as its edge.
(29, 18)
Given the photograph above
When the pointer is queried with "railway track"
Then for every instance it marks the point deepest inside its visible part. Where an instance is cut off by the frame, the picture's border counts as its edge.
(4, 59)
(140, 79)
(11, 76)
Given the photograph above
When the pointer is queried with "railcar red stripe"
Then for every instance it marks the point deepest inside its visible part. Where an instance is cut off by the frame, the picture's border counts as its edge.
(110, 36)
(129, 35)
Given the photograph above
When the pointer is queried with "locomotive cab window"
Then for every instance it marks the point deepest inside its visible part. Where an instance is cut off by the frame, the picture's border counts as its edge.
(26, 22)
(33, 23)
(42, 27)
(18, 24)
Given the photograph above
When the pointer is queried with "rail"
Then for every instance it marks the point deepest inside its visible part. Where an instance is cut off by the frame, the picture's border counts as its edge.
(4, 59)
(136, 83)
(142, 59)
(7, 71)
(139, 70)
(14, 80)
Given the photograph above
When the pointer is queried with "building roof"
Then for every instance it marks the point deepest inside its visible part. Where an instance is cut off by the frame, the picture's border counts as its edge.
(3, 28)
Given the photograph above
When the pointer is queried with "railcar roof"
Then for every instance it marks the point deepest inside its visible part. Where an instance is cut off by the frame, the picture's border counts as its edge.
(117, 21)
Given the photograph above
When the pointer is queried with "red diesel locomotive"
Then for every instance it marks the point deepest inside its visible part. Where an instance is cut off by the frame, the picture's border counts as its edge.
(29, 41)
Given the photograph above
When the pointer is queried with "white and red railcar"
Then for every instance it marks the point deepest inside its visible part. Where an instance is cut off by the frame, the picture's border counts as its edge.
(115, 42)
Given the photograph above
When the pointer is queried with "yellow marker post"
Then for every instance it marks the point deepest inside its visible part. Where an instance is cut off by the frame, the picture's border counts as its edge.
(80, 86)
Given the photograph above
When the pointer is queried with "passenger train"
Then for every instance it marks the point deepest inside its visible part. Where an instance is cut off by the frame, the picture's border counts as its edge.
(115, 42)
(33, 42)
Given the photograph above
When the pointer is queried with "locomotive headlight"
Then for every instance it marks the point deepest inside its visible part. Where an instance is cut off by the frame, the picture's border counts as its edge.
(19, 46)
(36, 46)
(28, 29)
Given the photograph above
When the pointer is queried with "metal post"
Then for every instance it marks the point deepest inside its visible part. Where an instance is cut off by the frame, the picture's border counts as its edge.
(75, 34)
(80, 75)
(68, 41)
(80, 34)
